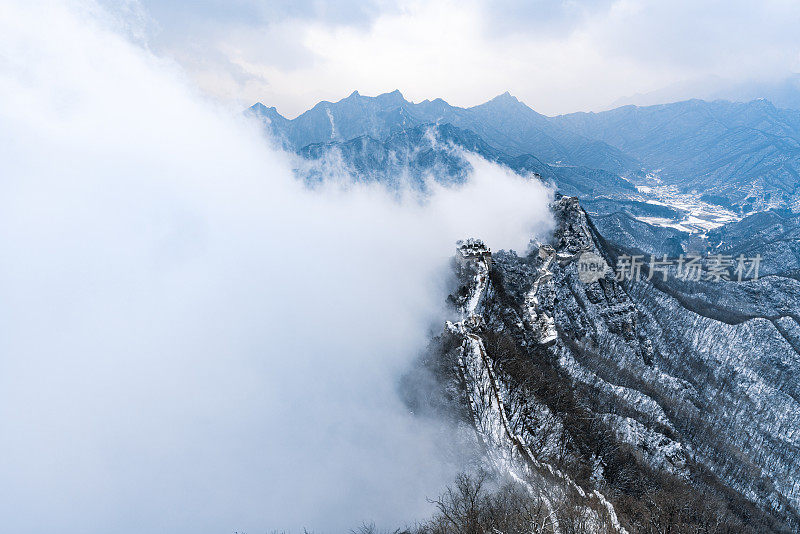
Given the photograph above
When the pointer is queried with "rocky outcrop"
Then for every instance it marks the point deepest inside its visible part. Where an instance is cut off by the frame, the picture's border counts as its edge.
(616, 397)
(500, 428)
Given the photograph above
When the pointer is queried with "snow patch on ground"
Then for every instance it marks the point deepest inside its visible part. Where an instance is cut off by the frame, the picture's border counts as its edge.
(699, 216)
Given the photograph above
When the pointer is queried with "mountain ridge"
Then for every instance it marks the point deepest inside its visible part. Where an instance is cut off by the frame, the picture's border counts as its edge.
(523, 131)
(624, 389)
(740, 156)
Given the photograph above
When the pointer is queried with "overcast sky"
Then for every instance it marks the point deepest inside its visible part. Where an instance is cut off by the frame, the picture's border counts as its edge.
(556, 55)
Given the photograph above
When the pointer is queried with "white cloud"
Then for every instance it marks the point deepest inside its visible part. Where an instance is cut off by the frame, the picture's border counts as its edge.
(191, 341)
(557, 56)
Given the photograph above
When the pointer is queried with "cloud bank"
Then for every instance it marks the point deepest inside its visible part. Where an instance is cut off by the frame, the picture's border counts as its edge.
(557, 56)
(190, 341)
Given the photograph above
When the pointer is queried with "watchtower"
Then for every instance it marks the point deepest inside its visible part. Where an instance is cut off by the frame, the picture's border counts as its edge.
(472, 250)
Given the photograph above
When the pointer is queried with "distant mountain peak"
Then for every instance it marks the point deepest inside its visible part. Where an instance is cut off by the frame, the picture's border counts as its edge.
(506, 97)
(506, 102)
(270, 112)
(762, 102)
(394, 97)
(391, 99)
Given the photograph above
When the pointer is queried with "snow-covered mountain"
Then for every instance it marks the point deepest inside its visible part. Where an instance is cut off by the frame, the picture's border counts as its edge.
(646, 407)
(504, 123)
(740, 155)
(613, 405)
(730, 157)
(437, 151)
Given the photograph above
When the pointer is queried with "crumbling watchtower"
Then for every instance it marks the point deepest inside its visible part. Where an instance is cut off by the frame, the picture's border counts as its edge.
(471, 251)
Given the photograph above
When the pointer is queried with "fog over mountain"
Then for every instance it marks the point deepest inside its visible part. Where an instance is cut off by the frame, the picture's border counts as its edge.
(405, 312)
(783, 91)
(191, 340)
(640, 390)
(737, 156)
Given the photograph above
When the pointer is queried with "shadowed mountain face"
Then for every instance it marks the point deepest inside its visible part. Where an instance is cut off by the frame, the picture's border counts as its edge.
(775, 235)
(437, 151)
(636, 236)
